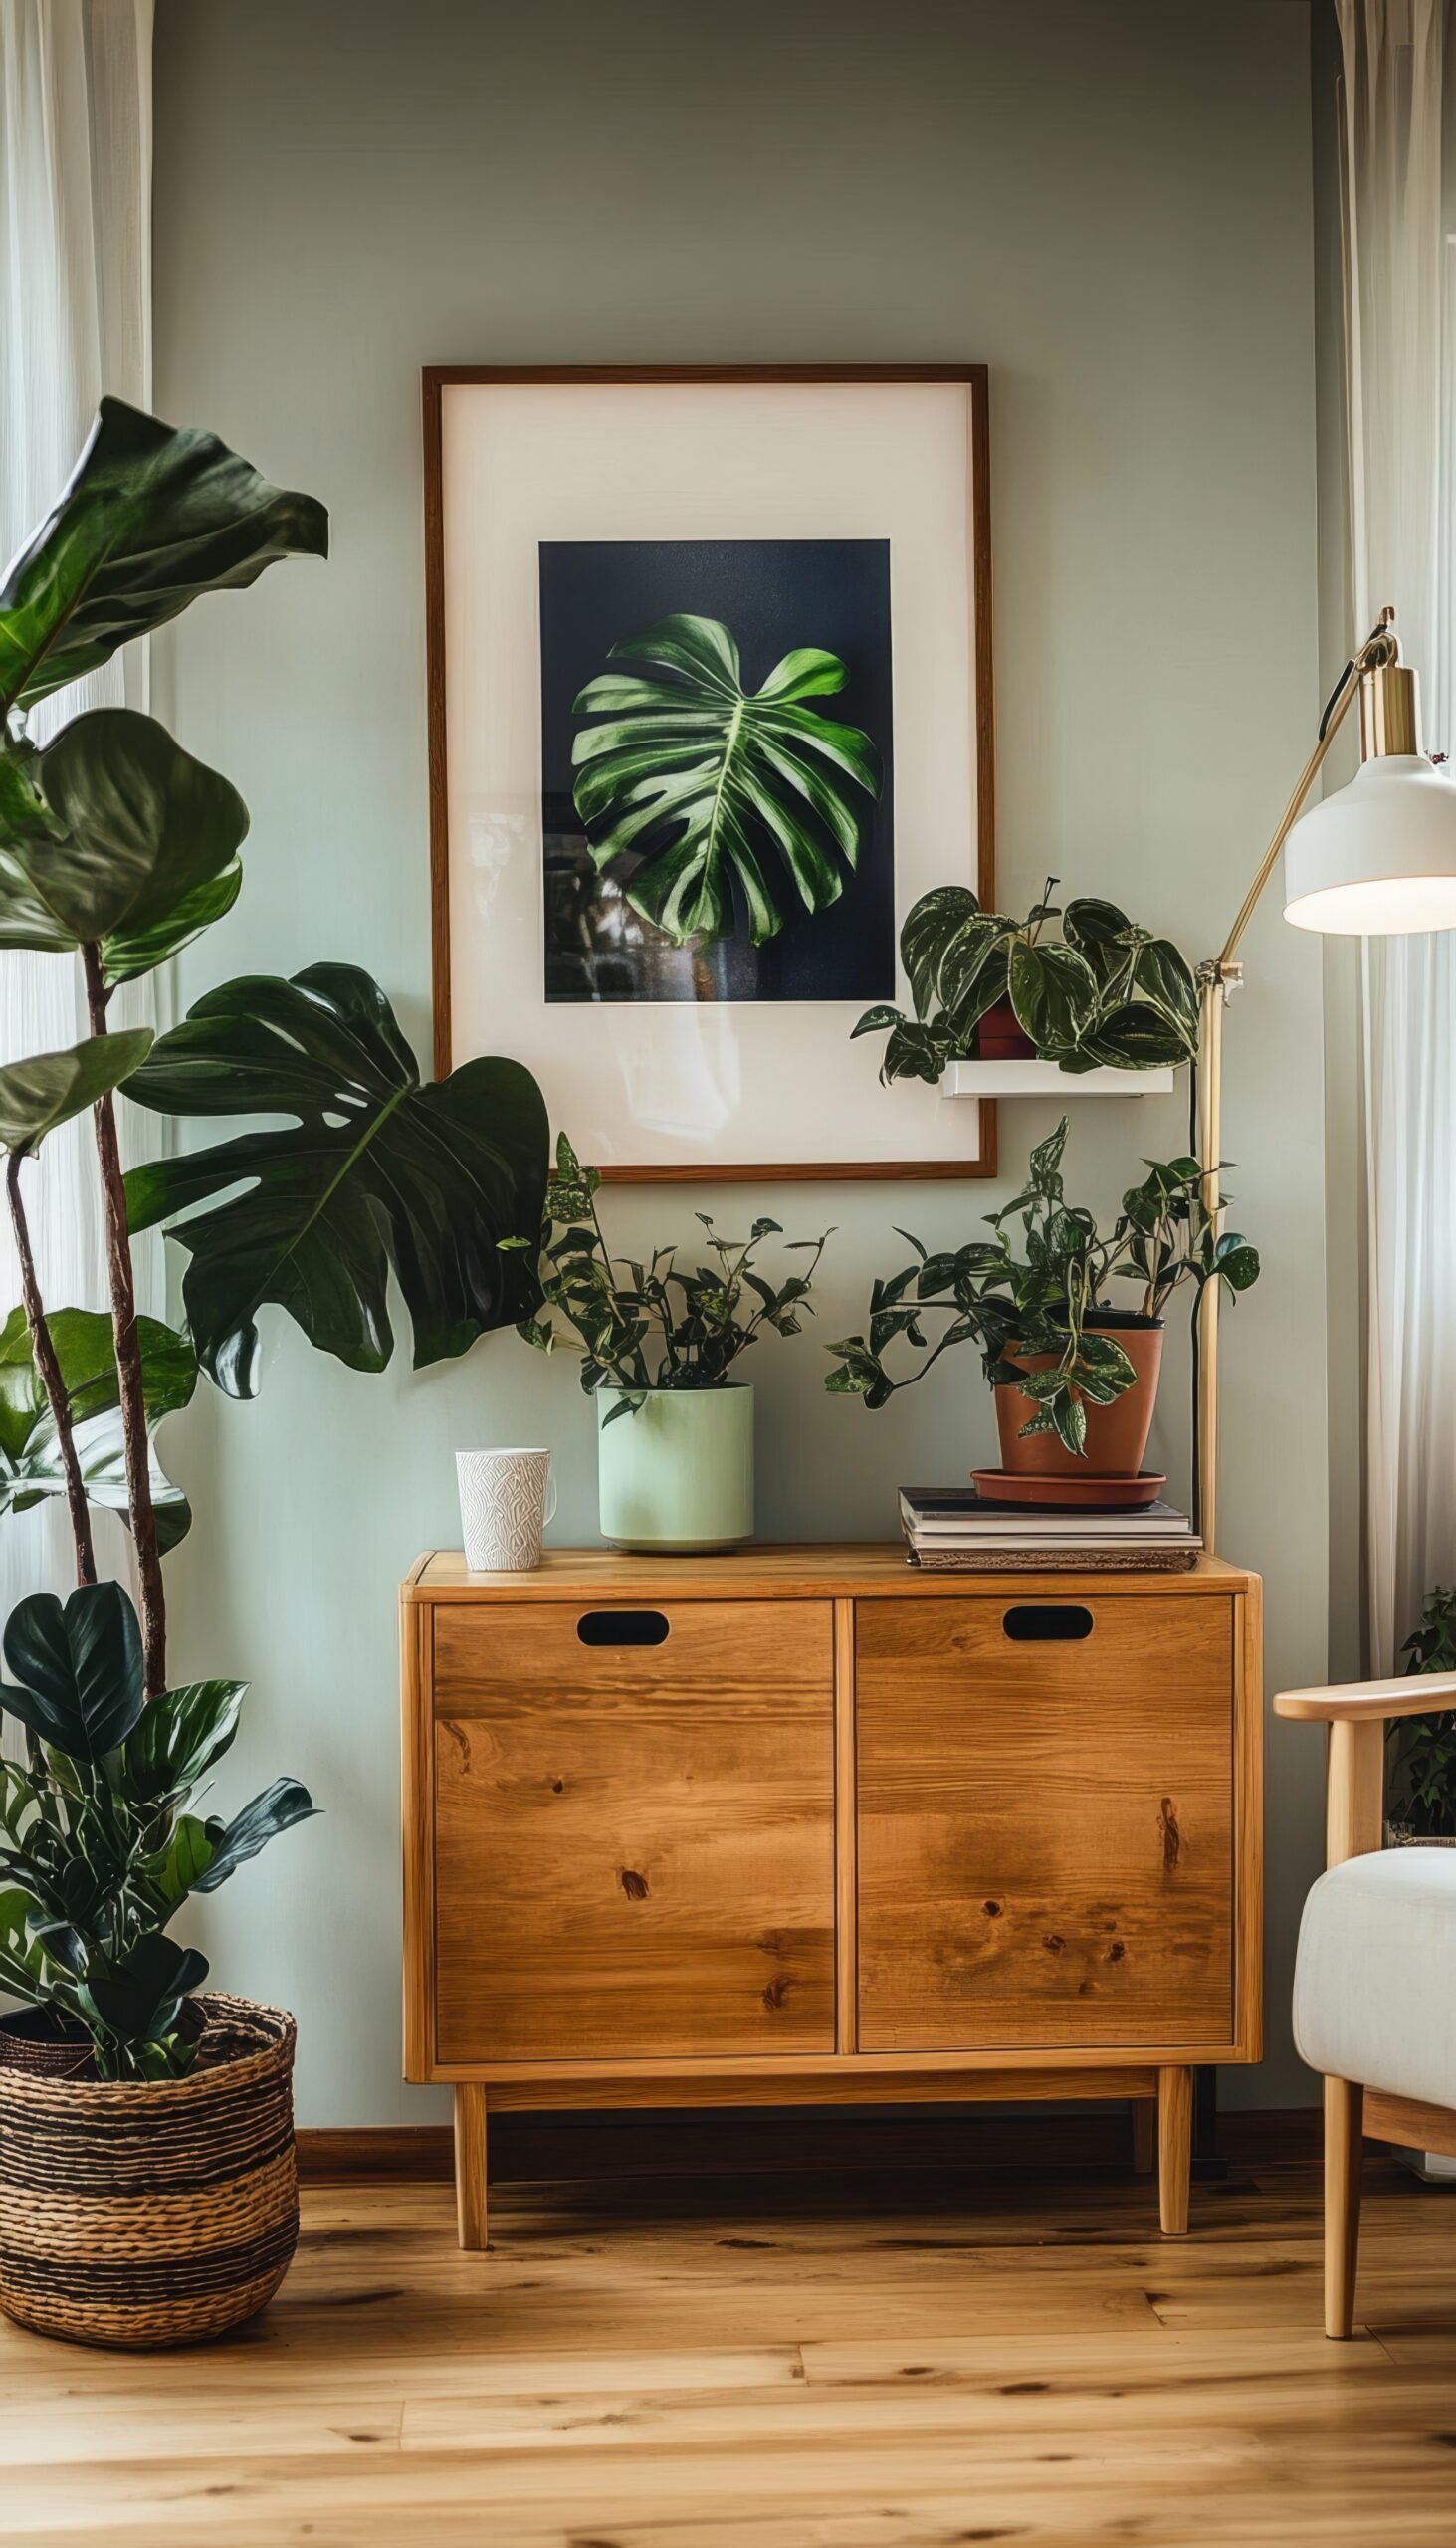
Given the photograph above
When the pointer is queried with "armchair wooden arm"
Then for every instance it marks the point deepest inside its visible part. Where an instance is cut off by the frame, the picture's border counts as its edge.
(1356, 1715)
(1357, 1702)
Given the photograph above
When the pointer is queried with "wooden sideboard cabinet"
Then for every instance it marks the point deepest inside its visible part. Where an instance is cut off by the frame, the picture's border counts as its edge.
(810, 1826)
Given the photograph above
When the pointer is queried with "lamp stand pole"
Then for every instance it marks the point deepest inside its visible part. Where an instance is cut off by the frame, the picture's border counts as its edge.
(1217, 979)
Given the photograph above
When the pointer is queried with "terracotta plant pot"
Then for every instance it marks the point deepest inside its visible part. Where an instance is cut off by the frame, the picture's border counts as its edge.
(1001, 1037)
(1117, 1435)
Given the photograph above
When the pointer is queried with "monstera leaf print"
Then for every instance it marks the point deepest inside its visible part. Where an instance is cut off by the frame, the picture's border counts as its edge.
(702, 778)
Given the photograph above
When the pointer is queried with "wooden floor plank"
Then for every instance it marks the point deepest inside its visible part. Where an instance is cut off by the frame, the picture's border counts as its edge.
(793, 2362)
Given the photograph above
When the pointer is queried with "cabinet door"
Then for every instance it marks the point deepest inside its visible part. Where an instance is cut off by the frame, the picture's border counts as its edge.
(1046, 1828)
(633, 1842)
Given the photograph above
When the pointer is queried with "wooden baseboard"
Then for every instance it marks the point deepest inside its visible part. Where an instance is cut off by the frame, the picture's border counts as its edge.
(544, 2147)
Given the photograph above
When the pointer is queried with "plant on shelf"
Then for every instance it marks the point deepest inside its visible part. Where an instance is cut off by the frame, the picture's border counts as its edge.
(1035, 1307)
(651, 1330)
(1423, 1748)
(116, 849)
(1106, 994)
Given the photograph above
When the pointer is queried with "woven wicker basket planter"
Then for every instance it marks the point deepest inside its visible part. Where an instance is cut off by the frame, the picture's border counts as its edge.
(147, 2214)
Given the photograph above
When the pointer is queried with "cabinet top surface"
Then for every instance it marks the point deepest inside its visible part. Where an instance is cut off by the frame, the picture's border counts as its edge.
(812, 1570)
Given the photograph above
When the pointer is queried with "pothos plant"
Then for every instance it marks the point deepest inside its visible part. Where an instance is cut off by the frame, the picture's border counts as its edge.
(654, 1324)
(1106, 994)
(117, 848)
(1017, 1301)
(1423, 1766)
(696, 778)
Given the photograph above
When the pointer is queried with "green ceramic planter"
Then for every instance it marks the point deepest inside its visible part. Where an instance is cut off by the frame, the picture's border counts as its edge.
(676, 1476)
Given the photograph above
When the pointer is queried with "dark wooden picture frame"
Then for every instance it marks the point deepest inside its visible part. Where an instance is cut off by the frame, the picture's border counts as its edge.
(438, 377)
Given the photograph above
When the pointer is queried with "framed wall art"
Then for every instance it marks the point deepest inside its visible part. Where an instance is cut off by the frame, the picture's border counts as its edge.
(710, 707)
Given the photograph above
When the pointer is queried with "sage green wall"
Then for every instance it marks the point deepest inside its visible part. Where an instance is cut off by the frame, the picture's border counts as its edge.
(1111, 205)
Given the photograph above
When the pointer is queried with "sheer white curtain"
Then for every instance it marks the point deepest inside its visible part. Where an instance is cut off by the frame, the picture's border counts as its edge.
(1399, 353)
(74, 318)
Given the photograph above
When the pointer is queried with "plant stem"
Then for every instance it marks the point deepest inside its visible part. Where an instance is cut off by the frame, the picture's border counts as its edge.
(129, 1383)
(54, 1387)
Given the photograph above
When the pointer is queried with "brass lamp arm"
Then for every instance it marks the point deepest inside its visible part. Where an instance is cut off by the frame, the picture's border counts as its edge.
(1216, 978)
(1380, 648)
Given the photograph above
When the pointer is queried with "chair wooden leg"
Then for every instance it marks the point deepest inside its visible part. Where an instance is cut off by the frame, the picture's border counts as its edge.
(1174, 2148)
(470, 2163)
(1344, 2161)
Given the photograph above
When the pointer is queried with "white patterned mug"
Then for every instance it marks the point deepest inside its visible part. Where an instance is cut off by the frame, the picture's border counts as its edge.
(503, 1506)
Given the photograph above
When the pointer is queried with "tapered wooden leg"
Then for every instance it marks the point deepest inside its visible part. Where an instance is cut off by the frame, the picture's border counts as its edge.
(1174, 2148)
(1144, 2136)
(470, 2163)
(1344, 2161)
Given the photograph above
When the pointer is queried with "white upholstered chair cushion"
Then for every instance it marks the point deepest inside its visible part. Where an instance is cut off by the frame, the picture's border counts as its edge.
(1375, 1982)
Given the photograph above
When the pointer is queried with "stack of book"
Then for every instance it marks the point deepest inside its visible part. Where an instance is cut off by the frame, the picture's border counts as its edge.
(955, 1527)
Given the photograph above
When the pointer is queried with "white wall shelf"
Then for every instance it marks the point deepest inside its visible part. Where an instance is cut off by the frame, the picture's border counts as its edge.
(1047, 1079)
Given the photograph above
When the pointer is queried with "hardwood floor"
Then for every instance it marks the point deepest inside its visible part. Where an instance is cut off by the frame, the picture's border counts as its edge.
(825, 2360)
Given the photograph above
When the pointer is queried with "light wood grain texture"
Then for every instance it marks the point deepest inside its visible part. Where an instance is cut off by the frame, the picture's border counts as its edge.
(1354, 1789)
(417, 1824)
(814, 1570)
(1046, 1831)
(1174, 2148)
(634, 1845)
(1249, 1820)
(1357, 1702)
(1343, 2163)
(799, 2362)
(846, 1837)
(833, 2084)
(1410, 2122)
(470, 2157)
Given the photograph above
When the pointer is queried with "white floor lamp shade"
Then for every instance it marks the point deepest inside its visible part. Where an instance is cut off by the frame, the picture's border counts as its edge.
(1379, 857)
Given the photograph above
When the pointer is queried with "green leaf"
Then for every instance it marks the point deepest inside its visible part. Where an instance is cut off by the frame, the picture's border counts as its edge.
(133, 951)
(1054, 994)
(178, 1869)
(699, 779)
(178, 1736)
(138, 829)
(140, 1996)
(375, 1172)
(876, 1020)
(277, 1809)
(930, 927)
(30, 1462)
(1097, 931)
(150, 518)
(76, 1668)
(46, 1090)
(913, 1052)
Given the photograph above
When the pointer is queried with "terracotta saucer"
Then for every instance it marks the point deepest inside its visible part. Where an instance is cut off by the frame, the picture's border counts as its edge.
(1084, 1494)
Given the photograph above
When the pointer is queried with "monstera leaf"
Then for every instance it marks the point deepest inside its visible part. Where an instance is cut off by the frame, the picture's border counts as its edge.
(114, 835)
(30, 1462)
(718, 775)
(150, 518)
(375, 1170)
(48, 1088)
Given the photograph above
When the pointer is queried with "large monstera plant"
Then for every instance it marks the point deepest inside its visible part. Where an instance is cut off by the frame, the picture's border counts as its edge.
(116, 849)
(697, 778)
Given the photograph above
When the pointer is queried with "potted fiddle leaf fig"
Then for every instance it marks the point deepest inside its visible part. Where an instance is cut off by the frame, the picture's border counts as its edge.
(123, 2078)
(660, 1343)
(1074, 1375)
(1108, 994)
